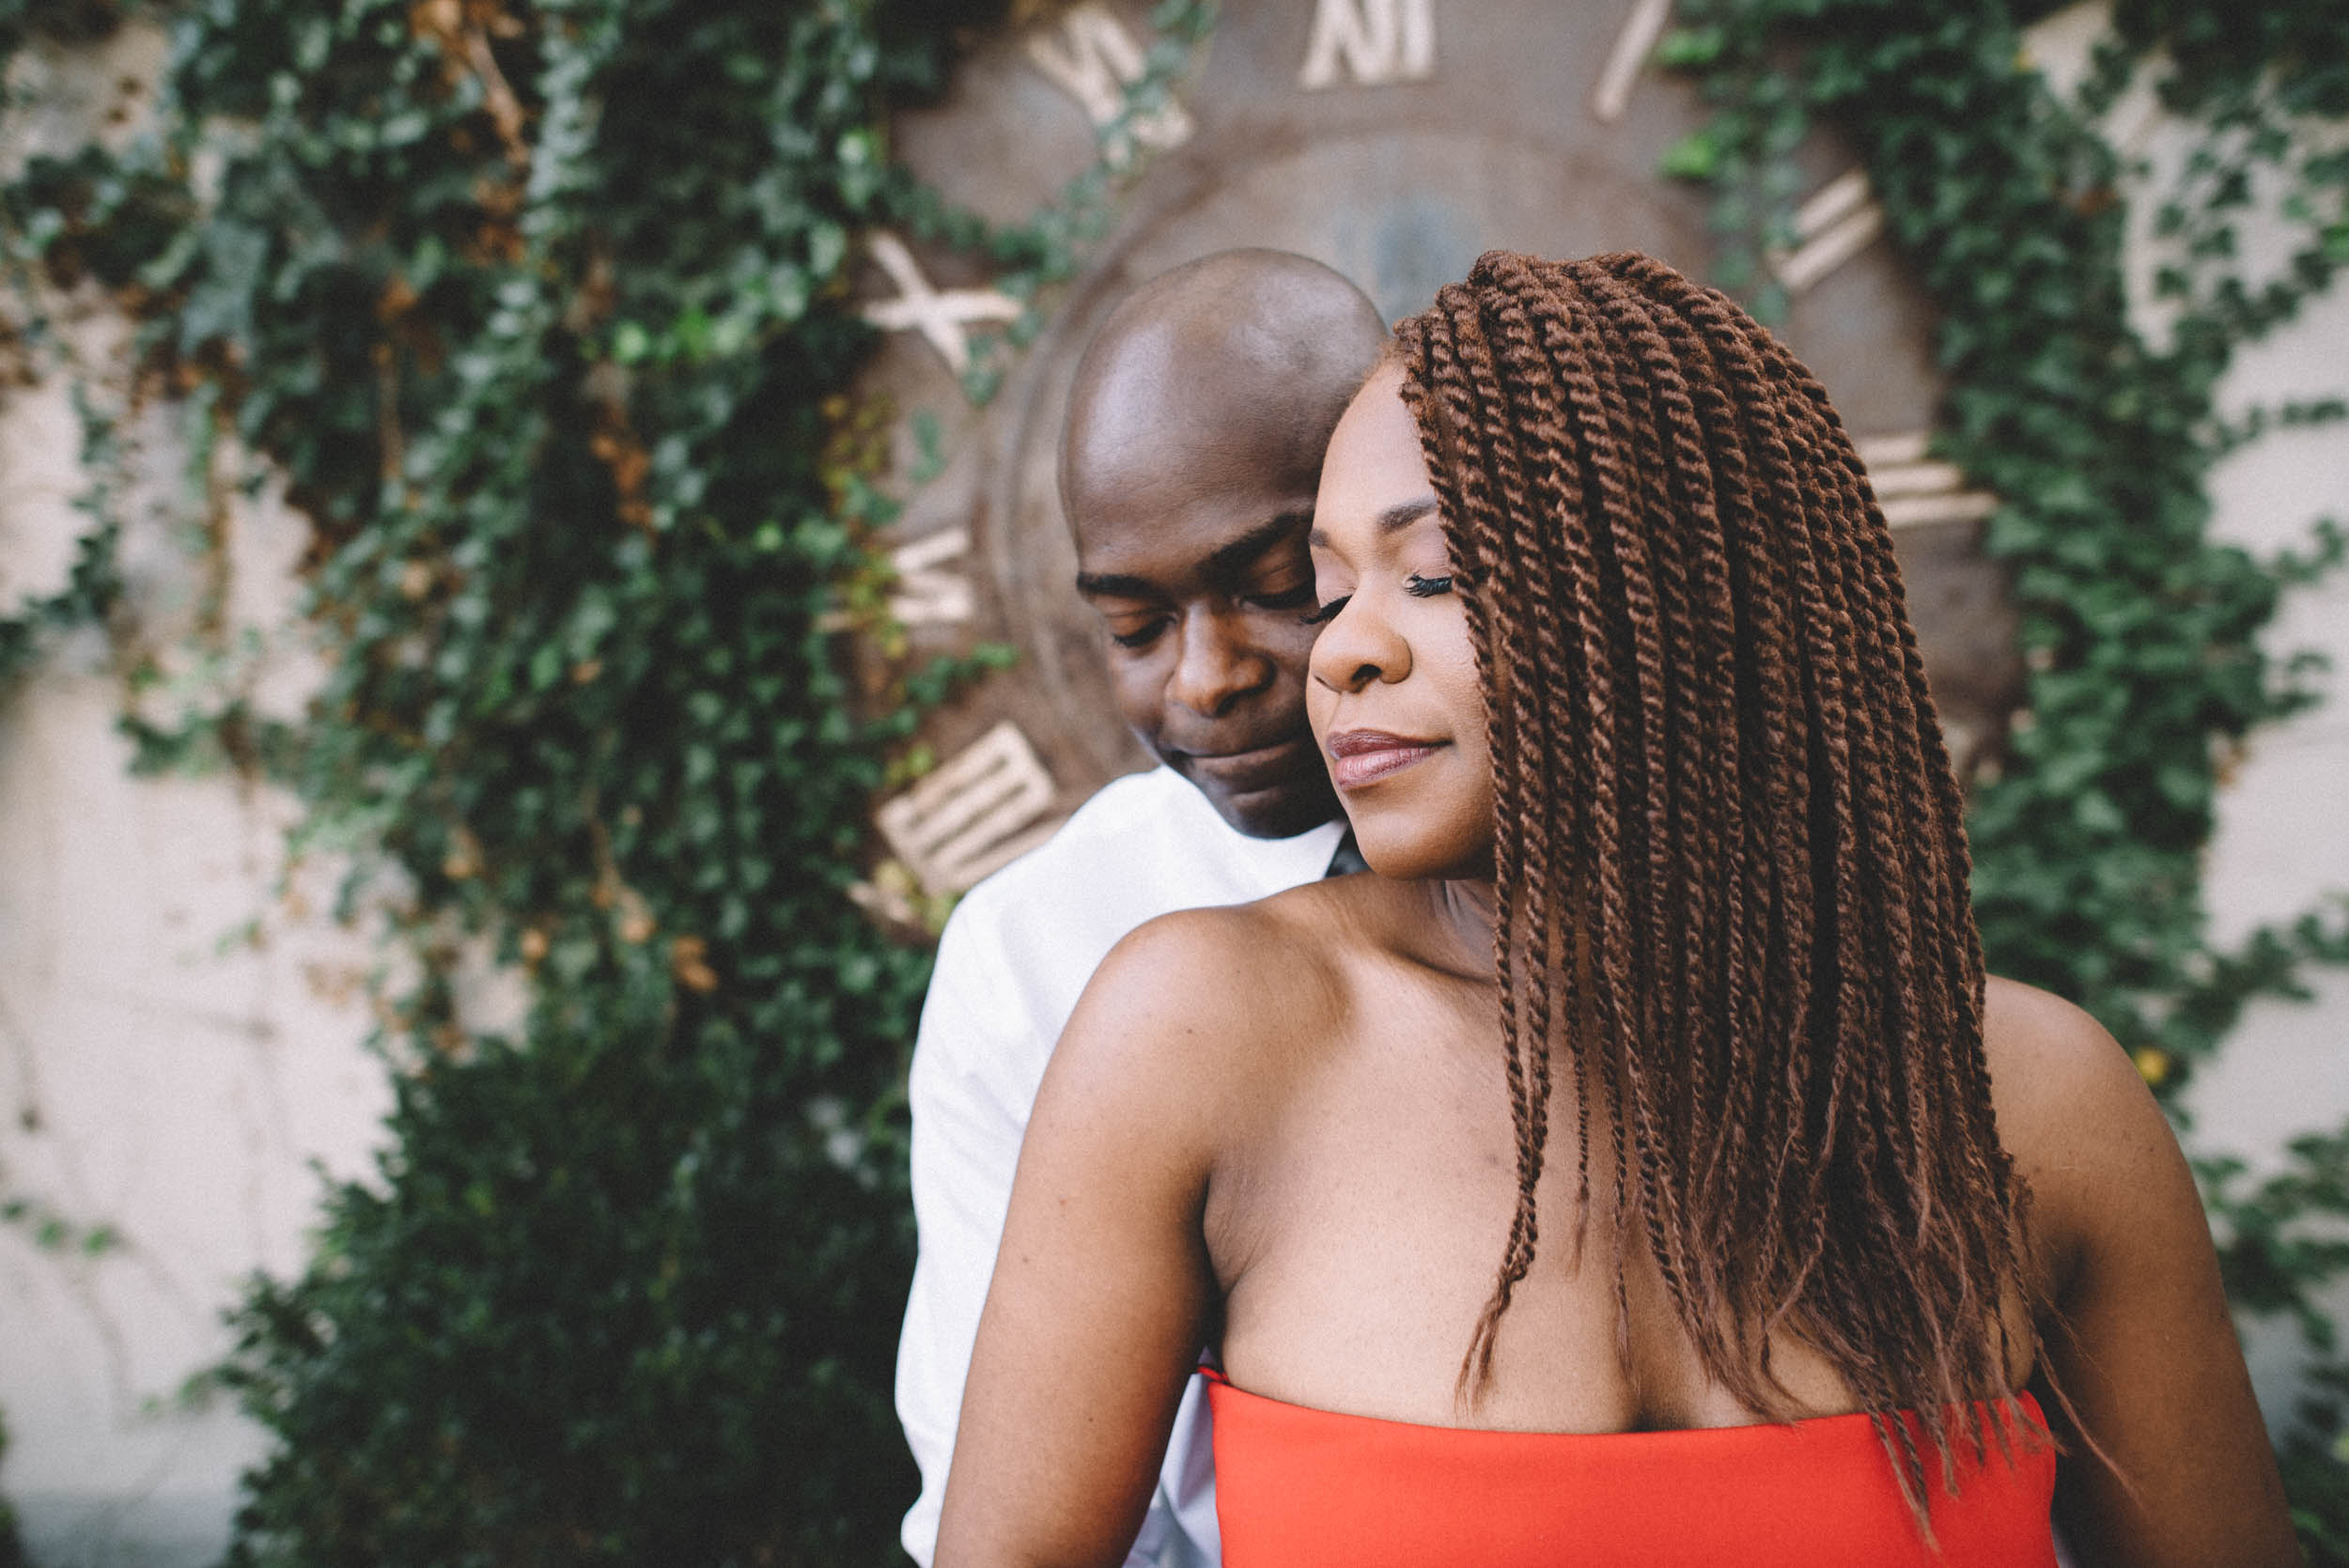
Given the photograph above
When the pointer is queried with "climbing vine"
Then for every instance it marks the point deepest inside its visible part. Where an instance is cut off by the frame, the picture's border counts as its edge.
(11, 1549)
(541, 315)
(2139, 632)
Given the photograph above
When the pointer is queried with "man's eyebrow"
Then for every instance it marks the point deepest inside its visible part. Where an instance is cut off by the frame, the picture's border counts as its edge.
(1221, 566)
(1115, 586)
(1232, 559)
(1393, 521)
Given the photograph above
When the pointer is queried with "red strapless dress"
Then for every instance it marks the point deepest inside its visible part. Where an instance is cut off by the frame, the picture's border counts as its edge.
(1299, 1488)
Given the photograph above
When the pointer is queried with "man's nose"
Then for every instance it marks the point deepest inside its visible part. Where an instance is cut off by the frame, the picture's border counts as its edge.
(1218, 664)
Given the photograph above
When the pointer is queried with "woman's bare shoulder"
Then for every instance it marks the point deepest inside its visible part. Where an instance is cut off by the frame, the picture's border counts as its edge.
(1205, 1007)
(1234, 969)
(2138, 1339)
(2076, 1115)
(2052, 1066)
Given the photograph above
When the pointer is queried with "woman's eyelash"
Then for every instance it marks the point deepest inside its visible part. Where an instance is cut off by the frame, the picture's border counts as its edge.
(1413, 585)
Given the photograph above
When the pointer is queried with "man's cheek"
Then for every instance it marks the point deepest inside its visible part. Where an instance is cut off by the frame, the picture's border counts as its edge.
(1319, 702)
(1287, 638)
(1137, 686)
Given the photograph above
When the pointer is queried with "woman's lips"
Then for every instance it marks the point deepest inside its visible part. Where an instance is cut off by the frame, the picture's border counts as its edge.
(1358, 757)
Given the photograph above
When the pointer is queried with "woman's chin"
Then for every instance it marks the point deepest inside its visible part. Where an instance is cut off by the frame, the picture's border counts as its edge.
(1396, 852)
(1413, 829)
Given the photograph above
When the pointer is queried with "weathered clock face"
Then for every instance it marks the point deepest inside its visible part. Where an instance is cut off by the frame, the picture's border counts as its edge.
(1395, 140)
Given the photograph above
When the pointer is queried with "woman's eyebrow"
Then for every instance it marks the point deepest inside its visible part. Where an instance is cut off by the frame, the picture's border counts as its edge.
(1393, 521)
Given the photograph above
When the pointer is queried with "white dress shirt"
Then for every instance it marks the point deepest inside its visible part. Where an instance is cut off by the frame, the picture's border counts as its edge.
(1014, 958)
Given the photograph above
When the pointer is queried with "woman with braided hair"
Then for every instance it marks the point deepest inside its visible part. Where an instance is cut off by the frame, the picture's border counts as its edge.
(1814, 1246)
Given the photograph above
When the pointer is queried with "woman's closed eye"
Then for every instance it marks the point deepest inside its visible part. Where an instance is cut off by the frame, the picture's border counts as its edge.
(1413, 585)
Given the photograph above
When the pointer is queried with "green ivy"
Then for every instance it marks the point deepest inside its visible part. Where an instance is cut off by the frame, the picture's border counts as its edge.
(93, 587)
(2283, 1236)
(540, 314)
(89, 594)
(2138, 631)
(12, 1548)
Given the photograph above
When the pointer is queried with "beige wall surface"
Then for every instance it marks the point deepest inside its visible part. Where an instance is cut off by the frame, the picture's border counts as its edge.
(2283, 840)
(181, 1027)
(2281, 846)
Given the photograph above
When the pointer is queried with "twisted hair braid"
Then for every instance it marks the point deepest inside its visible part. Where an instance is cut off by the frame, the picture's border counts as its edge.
(1731, 861)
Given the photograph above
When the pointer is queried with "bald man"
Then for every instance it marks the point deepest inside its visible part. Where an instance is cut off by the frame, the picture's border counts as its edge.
(1189, 465)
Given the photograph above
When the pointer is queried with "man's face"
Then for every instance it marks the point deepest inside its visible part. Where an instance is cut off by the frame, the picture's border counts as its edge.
(1192, 551)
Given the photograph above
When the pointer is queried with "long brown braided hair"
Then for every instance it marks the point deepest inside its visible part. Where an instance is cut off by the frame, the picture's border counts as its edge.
(1731, 860)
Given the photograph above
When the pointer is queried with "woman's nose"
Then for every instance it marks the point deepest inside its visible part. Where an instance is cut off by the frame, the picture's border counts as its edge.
(1358, 649)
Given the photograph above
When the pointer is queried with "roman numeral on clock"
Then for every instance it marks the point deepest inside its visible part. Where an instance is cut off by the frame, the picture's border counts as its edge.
(1091, 56)
(984, 807)
(927, 593)
(1835, 225)
(939, 315)
(1377, 43)
(1633, 45)
(1915, 491)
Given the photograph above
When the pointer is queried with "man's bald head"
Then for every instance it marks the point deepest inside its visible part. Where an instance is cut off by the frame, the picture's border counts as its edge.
(1260, 348)
(1187, 470)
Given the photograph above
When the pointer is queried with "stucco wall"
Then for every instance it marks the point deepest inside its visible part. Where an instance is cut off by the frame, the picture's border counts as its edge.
(2282, 840)
(2282, 844)
(180, 1027)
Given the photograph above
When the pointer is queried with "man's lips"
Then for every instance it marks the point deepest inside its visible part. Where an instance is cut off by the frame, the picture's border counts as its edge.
(1256, 768)
(1358, 757)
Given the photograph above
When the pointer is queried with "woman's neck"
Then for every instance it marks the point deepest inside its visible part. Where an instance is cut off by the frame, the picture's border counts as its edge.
(1465, 910)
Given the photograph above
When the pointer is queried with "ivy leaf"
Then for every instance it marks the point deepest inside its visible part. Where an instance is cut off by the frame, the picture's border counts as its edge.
(1696, 156)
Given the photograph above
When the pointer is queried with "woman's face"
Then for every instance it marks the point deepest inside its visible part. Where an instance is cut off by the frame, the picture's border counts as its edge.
(1393, 692)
